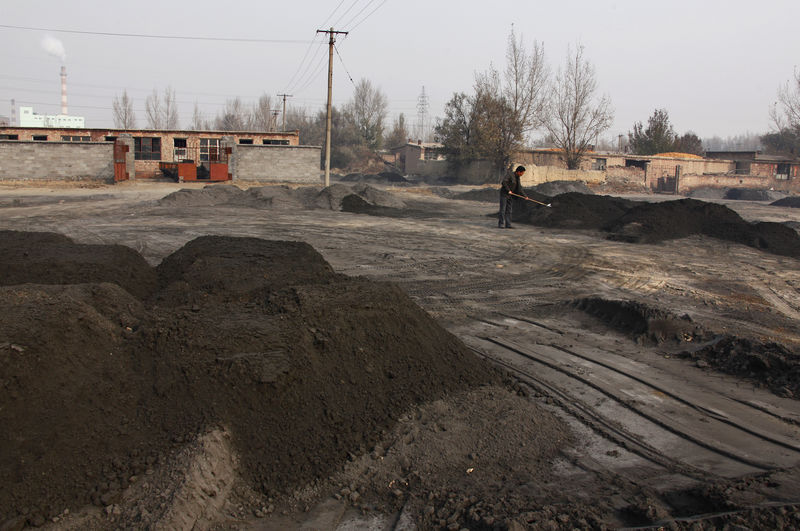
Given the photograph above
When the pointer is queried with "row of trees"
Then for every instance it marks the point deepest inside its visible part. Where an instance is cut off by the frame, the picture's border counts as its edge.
(161, 112)
(504, 109)
(660, 137)
(359, 126)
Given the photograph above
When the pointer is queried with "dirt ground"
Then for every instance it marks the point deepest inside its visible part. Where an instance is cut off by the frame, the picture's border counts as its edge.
(378, 355)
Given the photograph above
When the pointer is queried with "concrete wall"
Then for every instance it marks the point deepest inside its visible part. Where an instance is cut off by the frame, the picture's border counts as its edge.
(56, 161)
(541, 174)
(687, 183)
(289, 164)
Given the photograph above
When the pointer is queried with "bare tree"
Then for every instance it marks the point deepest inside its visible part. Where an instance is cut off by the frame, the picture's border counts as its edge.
(234, 116)
(786, 112)
(162, 114)
(399, 134)
(368, 109)
(152, 109)
(525, 82)
(124, 117)
(199, 121)
(262, 117)
(575, 117)
(169, 110)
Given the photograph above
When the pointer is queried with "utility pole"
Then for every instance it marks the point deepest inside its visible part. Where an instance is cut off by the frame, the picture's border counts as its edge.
(332, 34)
(284, 96)
(274, 122)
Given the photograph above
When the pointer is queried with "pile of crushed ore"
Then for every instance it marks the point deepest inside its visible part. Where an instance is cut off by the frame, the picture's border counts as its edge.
(791, 201)
(385, 177)
(645, 222)
(282, 197)
(108, 364)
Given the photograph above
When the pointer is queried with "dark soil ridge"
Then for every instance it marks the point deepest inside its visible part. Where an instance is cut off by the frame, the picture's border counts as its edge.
(792, 202)
(642, 323)
(766, 364)
(280, 197)
(304, 366)
(384, 177)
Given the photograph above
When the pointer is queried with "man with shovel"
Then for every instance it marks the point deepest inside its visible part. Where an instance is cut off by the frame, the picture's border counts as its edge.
(509, 187)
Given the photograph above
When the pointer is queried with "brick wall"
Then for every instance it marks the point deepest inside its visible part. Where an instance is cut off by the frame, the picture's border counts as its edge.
(290, 164)
(691, 182)
(51, 161)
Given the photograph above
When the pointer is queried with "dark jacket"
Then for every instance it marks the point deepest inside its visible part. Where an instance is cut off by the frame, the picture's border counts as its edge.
(511, 184)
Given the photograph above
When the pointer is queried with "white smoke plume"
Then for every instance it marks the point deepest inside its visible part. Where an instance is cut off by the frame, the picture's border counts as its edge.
(54, 47)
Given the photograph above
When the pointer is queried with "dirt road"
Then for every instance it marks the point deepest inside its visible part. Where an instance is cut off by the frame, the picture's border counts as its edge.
(615, 340)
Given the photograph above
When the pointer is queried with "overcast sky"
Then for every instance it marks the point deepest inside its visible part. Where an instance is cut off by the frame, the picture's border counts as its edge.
(714, 65)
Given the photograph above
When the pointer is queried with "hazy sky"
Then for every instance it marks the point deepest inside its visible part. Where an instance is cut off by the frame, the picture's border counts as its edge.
(715, 66)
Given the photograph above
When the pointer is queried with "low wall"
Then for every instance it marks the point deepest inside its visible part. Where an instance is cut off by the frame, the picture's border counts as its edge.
(686, 183)
(290, 164)
(56, 161)
(541, 174)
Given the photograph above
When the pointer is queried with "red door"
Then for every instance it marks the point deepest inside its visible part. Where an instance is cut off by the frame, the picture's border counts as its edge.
(120, 168)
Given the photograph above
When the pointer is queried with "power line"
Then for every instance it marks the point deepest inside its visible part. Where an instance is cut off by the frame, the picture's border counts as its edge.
(315, 73)
(368, 15)
(301, 79)
(345, 13)
(343, 65)
(331, 15)
(359, 12)
(146, 36)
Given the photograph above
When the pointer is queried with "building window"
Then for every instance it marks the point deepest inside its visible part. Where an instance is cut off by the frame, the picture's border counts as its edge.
(40, 137)
(9, 137)
(111, 139)
(430, 154)
(245, 140)
(147, 148)
(782, 172)
(179, 149)
(271, 142)
(75, 138)
(599, 164)
(209, 149)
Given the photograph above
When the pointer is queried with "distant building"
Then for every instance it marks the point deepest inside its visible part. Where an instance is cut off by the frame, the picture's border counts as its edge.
(4, 121)
(28, 118)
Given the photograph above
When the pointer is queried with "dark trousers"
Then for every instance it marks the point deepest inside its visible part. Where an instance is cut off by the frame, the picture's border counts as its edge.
(504, 219)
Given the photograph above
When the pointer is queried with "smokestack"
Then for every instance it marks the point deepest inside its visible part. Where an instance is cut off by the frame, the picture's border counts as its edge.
(13, 112)
(63, 90)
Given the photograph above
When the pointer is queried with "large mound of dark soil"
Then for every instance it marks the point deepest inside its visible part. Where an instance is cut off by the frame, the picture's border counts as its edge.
(655, 222)
(643, 222)
(541, 192)
(117, 364)
(572, 210)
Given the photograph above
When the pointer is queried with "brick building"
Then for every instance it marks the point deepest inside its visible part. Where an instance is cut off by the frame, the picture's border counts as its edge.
(109, 155)
(151, 147)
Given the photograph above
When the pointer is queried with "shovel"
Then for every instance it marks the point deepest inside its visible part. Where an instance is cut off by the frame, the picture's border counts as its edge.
(548, 205)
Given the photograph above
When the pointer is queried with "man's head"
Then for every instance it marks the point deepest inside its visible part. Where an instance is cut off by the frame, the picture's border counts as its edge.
(520, 170)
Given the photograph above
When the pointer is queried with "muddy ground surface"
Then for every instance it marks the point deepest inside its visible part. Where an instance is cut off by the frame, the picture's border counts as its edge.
(383, 357)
